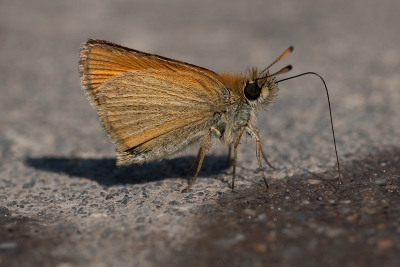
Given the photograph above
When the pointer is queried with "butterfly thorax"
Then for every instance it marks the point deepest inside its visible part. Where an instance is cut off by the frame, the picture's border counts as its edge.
(238, 116)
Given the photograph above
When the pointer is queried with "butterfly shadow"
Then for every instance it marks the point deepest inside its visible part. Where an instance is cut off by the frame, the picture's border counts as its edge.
(106, 173)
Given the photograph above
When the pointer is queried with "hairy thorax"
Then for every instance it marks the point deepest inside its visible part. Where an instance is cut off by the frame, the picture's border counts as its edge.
(232, 123)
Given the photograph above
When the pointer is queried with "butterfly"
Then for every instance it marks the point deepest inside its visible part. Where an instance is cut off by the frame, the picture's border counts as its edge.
(152, 106)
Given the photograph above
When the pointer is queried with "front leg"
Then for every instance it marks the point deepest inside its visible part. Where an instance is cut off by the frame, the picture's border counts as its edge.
(262, 150)
(235, 145)
(258, 151)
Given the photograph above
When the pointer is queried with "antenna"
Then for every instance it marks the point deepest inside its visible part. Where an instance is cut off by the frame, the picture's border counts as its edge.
(330, 113)
(281, 71)
(282, 56)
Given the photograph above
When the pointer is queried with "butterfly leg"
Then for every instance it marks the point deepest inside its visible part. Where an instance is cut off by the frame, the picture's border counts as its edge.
(202, 153)
(196, 161)
(237, 142)
(262, 151)
(228, 160)
(259, 148)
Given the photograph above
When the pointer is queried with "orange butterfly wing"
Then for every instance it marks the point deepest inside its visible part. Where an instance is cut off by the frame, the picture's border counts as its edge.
(149, 105)
(100, 60)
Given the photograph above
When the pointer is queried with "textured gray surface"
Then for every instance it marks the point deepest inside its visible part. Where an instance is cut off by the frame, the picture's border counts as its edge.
(64, 203)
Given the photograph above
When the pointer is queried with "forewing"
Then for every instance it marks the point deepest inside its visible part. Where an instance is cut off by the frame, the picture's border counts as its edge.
(101, 60)
(153, 113)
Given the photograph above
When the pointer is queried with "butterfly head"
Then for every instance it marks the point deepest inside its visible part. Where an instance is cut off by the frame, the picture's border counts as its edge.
(259, 91)
(261, 88)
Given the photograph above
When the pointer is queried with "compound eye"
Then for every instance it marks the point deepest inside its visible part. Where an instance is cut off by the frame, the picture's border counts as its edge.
(252, 91)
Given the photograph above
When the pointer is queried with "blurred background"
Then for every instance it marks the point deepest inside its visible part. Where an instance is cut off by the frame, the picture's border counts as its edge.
(353, 45)
(44, 114)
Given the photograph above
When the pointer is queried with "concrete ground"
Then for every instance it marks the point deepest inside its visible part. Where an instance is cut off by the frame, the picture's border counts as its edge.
(64, 203)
